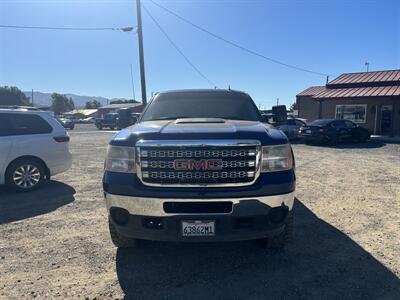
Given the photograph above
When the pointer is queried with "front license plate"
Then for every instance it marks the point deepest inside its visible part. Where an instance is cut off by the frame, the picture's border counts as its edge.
(308, 131)
(198, 228)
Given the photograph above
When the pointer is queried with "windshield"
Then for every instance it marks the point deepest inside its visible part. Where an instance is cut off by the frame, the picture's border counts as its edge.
(230, 105)
(110, 116)
(320, 122)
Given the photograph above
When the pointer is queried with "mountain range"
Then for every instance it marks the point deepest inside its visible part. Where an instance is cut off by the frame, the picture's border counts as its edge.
(44, 99)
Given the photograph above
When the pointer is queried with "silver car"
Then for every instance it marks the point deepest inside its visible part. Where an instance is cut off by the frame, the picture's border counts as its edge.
(33, 147)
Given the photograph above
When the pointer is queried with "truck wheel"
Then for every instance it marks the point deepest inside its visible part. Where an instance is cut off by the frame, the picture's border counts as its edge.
(279, 242)
(119, 240)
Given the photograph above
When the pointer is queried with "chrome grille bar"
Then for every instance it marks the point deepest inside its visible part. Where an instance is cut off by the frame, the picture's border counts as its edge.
(231, 162)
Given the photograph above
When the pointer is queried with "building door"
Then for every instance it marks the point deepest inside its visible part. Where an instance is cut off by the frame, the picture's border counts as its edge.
(386, 118)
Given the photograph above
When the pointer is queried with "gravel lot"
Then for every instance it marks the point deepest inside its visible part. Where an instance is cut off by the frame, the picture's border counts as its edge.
(55, 242)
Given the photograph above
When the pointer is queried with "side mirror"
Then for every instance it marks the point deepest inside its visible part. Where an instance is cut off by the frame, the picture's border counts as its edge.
(266, 119)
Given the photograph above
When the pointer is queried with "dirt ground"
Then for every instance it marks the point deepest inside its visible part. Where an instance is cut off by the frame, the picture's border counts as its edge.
(55, 242)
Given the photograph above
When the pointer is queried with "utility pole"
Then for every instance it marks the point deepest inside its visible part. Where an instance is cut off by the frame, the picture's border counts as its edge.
(32, 97)
(133, 85)
(141, 55)
(277, 101)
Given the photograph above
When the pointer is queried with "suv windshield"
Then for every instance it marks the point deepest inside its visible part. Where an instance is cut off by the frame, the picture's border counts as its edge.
(110, 116)
(229, 105)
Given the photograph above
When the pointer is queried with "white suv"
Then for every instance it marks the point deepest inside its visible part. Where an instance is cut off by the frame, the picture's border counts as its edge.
(33, 147)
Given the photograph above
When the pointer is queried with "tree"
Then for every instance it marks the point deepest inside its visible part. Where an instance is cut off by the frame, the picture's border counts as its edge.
(294, 106)
(61, 103)
(70, 104)
(11, 95)
(94, 104)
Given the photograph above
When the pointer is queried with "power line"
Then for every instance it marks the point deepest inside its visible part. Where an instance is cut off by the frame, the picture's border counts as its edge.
(237, 45)
(125, 29)
(177, 49)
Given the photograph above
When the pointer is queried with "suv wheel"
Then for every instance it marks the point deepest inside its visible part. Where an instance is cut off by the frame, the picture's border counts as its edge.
(281, 240)
(118, 240)
(25, 175)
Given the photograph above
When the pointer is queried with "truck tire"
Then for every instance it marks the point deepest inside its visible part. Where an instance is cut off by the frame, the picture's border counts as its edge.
(119, 240)
(279, 242)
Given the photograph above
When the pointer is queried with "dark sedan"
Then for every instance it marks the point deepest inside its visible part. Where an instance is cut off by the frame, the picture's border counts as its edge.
(67, 123)
(333, 131)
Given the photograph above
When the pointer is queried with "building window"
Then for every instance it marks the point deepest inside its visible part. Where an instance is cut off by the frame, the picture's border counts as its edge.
(354, 112)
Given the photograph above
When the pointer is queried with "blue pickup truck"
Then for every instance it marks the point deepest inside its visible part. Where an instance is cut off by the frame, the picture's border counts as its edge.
(200, 166)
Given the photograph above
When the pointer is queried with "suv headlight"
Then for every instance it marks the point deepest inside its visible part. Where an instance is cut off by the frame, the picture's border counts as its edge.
(120, 159)
(276, 158)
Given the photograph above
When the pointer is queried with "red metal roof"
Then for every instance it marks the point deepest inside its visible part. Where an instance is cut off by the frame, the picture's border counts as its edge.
(367, 77)
(311, 91)
(376, 91)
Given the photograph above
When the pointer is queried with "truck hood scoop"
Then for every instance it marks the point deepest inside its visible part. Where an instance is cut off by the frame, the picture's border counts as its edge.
(198, 120)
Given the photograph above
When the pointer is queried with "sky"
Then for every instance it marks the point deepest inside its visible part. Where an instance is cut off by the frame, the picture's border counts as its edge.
(330, 37)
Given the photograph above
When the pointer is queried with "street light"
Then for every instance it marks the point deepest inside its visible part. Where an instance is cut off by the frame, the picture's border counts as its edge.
(367, 65)
(127, 29)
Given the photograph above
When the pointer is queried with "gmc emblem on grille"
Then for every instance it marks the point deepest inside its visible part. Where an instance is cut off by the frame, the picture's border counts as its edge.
(202, 164)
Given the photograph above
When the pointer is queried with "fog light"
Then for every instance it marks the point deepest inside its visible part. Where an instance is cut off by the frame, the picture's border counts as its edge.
(119, 215)
(153, 223)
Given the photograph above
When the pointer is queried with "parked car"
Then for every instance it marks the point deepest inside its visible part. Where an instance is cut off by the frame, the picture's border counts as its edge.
(334, 131)
(33, 147)
(200, 166)
(292, 127)
(67, 123)
(110, 120)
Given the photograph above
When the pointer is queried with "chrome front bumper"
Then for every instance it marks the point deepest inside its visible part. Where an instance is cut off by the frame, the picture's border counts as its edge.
(155, 206)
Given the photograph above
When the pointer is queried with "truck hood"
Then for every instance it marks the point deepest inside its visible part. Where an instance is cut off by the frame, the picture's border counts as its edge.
(203, 129)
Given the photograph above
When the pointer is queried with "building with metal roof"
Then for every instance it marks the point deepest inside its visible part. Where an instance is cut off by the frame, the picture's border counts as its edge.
(82, 113)
(371, 99)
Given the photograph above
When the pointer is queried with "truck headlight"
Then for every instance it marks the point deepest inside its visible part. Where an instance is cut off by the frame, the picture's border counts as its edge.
(276, 158)
(120, 159)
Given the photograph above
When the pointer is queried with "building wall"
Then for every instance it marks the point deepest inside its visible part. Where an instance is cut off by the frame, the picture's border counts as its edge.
(328, 110)
(308, 108)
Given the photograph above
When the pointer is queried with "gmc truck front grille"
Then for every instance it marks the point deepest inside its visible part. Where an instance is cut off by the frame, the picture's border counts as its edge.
(198, 163)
